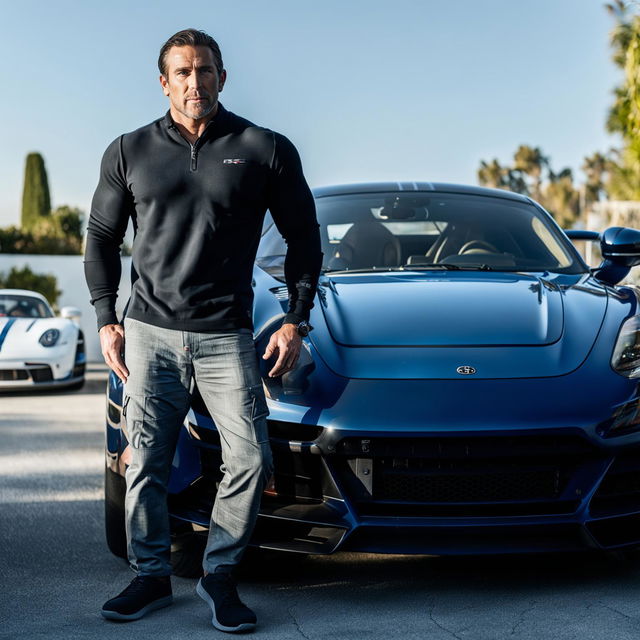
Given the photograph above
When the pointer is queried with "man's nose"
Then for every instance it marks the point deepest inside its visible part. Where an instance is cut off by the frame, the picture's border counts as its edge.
(195, 79)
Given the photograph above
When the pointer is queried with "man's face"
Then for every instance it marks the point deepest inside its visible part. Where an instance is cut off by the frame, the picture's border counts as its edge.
(192, 83)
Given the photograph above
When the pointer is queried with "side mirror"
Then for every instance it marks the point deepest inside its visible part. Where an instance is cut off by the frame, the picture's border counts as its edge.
(620, 247)
(71, 313)
(582, 234)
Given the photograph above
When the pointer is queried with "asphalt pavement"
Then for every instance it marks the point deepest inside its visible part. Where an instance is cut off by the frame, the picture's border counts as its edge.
(55, 569)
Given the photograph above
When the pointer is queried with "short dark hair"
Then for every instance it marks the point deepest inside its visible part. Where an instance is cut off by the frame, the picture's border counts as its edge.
(193, 38)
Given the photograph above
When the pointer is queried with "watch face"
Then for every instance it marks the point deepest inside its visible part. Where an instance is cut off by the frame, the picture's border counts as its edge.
(303, 329)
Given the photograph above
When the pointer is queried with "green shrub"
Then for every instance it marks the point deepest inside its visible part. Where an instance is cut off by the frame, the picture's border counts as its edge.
(44, 283)
(59, 233)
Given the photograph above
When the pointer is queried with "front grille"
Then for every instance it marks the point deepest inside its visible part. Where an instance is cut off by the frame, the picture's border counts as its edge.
(426, 485)
(9, 375)
(459, 476)
(41, 374)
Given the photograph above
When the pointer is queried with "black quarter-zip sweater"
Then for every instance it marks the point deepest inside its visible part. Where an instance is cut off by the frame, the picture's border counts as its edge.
(197, 213)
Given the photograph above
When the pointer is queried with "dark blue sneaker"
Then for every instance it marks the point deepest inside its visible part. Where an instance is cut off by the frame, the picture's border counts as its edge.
(143, 595)
(218, 590)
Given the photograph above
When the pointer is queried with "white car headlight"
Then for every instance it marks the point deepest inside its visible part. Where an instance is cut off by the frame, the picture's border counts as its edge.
(626, 354)
(49, 337)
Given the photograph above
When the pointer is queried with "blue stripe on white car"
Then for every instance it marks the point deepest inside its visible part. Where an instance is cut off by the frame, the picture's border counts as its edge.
(5, 330)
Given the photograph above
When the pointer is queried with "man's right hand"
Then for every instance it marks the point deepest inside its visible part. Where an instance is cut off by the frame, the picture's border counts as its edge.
(112, 344)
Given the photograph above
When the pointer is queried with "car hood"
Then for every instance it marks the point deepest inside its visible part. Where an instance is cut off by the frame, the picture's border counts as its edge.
(428, 325)
(507, 310)
(19, 336)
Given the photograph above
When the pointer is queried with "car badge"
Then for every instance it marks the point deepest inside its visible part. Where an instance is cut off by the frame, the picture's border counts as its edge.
(466, 370)
(233, 161)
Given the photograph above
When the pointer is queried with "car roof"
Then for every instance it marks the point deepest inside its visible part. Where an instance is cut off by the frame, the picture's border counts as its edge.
(441, 187)
(24, 292)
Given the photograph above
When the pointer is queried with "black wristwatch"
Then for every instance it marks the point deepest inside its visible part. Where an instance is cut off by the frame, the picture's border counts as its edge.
(303, 328)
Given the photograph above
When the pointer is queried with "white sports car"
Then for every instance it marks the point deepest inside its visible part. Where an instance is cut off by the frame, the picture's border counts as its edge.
(38, 350)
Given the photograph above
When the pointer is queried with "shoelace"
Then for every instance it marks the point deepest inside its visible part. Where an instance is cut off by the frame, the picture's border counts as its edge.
(137, 586)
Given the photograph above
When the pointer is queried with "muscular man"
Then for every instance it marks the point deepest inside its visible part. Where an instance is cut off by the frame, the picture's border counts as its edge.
(196, 184)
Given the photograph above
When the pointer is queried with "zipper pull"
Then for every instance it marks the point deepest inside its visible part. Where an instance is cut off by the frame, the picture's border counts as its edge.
(194, 158)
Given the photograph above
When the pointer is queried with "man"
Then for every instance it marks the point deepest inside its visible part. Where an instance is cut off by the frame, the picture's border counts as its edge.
(196, 184)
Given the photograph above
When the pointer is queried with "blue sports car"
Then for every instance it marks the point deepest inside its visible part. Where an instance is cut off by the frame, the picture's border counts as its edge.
(470, 386)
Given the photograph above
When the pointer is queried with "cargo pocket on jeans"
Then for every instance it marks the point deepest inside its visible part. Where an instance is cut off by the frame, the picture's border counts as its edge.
(133, 413)
(123, 422)
(259, 411)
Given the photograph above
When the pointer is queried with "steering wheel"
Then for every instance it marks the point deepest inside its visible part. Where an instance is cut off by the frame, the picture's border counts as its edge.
(477, 244)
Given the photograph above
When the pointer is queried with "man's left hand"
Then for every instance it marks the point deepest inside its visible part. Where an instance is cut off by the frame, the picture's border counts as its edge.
(285, 343)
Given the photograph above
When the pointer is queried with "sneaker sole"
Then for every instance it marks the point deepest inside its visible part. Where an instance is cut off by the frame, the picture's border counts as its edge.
(152, 606)
(245, 626)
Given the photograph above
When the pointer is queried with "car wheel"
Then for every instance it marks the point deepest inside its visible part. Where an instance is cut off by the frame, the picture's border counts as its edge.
(115, 488)
(187, 550)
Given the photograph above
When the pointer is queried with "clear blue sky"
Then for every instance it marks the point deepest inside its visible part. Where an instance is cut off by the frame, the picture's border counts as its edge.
(366, 89)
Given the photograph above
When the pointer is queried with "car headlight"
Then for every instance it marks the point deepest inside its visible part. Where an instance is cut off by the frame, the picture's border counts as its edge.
(626, 353)
(49, 337)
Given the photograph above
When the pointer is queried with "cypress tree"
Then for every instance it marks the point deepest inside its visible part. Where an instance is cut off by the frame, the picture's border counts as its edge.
(36, 201)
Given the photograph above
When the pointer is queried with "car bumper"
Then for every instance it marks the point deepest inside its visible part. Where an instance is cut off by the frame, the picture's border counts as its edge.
(433, 467)
(20, 376)
(437, 494)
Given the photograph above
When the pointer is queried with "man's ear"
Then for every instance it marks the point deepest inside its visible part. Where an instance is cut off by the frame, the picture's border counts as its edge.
(164, 84)
(222, 79)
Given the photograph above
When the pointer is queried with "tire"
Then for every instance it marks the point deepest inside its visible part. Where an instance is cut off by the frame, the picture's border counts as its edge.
(187, 550)
(115, 488)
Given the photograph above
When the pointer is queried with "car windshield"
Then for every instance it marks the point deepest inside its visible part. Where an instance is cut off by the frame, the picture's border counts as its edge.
(17, 306)
(428, 230)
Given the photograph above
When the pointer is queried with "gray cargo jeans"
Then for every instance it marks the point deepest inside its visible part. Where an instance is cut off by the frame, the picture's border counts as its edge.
(161, 363)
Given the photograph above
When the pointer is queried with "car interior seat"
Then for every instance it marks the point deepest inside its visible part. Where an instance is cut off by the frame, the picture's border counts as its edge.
(368, 243)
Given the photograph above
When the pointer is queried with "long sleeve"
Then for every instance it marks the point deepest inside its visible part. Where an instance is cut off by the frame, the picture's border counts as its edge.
(293, 210)
(111, 208)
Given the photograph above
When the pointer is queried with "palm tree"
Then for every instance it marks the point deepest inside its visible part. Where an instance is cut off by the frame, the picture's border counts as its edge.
(621, 35)
(492, 174)
(619, 38)
(595, 167)
(623, 183)
(531, 162)
(560, 197)
(624, 115)
(516, 182)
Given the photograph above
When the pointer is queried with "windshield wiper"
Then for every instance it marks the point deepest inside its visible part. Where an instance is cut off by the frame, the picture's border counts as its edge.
(366, 270)
(414, 267)
(431, 265)
(480, 267)
(451, 267)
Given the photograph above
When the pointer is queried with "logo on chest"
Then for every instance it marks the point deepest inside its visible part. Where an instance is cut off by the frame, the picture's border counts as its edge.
(234, 161)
